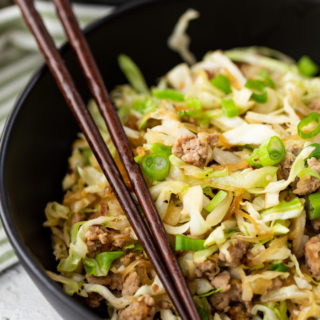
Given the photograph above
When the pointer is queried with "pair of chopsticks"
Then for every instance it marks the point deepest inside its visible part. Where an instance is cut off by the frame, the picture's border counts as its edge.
(156, 244)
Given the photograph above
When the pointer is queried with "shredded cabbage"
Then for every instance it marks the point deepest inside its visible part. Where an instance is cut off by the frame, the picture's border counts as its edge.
(248, 178)
(179, 41)
(218, 213)
(95, 179)
(70, 285)
(248, 223)
(55, 212)
(249, 134)
(156, 288)
(118, 303)
(78, 248)
(290, 292)
(193, 203)
(297, 166)
(284, 210)
(267, 312)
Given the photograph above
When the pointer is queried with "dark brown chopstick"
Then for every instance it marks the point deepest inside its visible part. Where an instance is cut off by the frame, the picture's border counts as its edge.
(119, 138)
(88, 127)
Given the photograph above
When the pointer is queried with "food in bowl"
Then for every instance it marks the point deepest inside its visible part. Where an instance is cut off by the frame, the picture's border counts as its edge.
(229, 148)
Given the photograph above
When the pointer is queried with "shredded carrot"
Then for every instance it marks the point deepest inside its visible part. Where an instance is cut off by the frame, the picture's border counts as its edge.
(235, 206)
(182, 85)
(247, 216)
(220, 186)
(262, 237)
(223, 141)
(243, 164)
(294, 137)
(191, 127)
(140, 151)
(303, 110)
(235, 83)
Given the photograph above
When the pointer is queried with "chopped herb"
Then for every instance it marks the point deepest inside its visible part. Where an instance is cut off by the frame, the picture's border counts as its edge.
(307, 67)
(207, 294)
(279, 267)
(222, 82)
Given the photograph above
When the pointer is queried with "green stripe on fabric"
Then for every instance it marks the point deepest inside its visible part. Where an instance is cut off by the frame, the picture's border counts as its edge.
(6, 256)
(19, 58)
(3, 241)
(19, 67)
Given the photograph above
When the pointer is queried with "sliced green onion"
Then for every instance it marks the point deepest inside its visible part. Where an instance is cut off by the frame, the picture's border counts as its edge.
(266, 79)
(259, 93)
(144, 106)
(272, 152)
(168, 94)
(279, 267)
(87, 153)
(315, 153)
(220, 196)
(209, 173)
(184, 243)
(134, 246)
(207, 294)
(203, 308)
(283, 310)
(246, 230)
(313, 205)
(144, 121)
(208, 192)
(222, 82)
(258, 267)
(161, 149)
(156, 166)
(307, 67)
(138, 159)
(283, 211)
(309, 126)
(229, 108)
(133, 74)
(218, 173)
(254, 160)
(194, 105)
(129, 247)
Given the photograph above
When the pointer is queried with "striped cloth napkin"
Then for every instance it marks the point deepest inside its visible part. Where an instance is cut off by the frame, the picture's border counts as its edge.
(19, 58)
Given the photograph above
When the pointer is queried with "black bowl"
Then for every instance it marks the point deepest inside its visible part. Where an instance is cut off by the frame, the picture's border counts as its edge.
(38, 136)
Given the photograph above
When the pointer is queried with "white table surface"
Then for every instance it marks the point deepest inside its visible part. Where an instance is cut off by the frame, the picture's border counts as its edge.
(20, 299)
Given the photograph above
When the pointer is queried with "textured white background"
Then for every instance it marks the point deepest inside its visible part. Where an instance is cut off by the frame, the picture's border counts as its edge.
(21, 300)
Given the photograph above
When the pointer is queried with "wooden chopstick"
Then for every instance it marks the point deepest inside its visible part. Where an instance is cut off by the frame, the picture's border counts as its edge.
(98, 146)
(119, 138)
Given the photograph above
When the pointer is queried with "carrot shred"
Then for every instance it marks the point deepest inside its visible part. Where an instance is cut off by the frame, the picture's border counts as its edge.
(224, 142)
(243, 164)
(235, 206)
(247, 216)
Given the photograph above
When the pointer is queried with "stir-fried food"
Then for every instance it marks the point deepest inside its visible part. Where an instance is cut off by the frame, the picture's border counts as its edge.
(230, 150)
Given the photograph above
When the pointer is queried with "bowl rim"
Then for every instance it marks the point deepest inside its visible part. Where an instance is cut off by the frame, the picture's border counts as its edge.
(34, 268)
